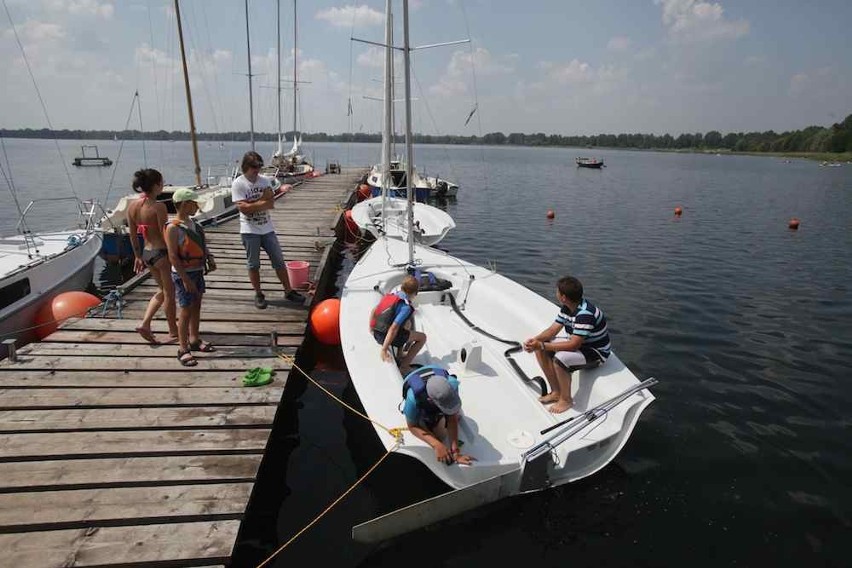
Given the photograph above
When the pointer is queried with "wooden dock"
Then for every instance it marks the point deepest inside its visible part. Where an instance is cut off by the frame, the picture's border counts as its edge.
(112, 453)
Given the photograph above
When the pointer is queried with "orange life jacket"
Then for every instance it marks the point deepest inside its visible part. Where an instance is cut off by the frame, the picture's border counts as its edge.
(192, 246)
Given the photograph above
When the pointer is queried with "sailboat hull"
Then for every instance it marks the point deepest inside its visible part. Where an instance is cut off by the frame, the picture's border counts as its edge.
(502, 418)
(45, 277)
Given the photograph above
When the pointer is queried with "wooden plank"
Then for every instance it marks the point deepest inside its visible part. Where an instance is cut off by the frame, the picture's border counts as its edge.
(186, 542)
(157, 417)
(73, 445)
(253, 327)
(11, 399)
(27, 378)
(135, 309)
(218, 339)
(150, 364)
(160, 470)
(51, 510)
(140, 349)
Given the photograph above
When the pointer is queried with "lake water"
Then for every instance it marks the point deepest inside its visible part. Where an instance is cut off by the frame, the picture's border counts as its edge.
(745, 457)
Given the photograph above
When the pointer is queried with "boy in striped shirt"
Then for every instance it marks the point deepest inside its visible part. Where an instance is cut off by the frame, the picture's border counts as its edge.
(587, 345)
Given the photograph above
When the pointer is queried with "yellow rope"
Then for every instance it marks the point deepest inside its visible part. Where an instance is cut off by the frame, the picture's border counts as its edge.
(327, 509)
(395, 432)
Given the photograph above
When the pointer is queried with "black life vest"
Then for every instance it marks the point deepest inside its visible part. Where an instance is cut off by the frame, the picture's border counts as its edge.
(385, 312)
(416, 381)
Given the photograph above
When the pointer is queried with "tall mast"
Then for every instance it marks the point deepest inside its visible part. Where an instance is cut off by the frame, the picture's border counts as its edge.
(251, 98)
(278, 6)
(188, 99)
(409, 149)
(295, 70)
(388, 108)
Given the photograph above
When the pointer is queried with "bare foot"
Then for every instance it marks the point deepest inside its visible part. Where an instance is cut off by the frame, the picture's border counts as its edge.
(548, 398)
(561, 406)
(147, 335)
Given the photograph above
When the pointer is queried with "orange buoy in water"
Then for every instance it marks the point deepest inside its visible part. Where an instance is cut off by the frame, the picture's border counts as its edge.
(793, 224)
(364, 192)
(59, 308)
(678, 211)
(551, 214)
(325, 321)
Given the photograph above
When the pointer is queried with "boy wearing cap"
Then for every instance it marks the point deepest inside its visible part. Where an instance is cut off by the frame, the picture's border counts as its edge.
(190, 257)
(252, 194)
(430, 397)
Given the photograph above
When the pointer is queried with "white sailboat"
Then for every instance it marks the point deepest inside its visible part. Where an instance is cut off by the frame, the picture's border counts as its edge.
(36, 266)
(473, 328)
(387, 214)
(291, 166)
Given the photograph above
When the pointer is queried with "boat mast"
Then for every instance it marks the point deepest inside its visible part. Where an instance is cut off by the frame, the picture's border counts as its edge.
(278, 6)
(409, 149)
(188, 98)
(295, 77)
(388, 108)
(251, 98)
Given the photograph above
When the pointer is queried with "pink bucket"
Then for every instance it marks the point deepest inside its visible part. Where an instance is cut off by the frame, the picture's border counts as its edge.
(298, 272)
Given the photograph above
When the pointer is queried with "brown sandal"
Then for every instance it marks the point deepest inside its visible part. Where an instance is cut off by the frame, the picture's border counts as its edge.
(186, 359)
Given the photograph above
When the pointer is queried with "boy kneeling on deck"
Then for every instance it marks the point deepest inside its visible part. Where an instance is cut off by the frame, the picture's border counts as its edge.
(587, 345)
(391, 324)
(431, 404)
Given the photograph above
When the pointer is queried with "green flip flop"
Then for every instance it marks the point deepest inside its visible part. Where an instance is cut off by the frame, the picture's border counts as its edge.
(258, 376)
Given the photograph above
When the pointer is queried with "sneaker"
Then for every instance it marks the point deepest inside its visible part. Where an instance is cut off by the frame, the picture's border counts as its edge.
(293, 296)
(260, 301)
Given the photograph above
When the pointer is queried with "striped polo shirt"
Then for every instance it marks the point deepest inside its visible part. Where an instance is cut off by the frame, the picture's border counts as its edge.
(589, 322)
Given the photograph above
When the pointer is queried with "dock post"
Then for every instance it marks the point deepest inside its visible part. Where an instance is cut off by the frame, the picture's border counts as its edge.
(273, 338)
(9, 344)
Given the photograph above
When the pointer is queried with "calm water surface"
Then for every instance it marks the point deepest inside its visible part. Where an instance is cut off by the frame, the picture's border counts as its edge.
(745, 456)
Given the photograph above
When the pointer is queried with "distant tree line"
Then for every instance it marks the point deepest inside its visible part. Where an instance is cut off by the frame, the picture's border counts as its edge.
(835, 138)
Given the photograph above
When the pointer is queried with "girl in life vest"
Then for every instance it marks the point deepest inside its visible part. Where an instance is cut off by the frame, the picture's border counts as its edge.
(190, 258)
(391, 323)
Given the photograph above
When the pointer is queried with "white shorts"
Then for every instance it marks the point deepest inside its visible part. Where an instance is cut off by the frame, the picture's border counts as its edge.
(571, 359)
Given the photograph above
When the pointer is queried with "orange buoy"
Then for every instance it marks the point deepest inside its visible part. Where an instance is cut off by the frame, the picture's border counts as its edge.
(61, 307)
(325, 321)
(678, 211)
(351, 225)
(793, 224)
(364, 192)
(551, 214)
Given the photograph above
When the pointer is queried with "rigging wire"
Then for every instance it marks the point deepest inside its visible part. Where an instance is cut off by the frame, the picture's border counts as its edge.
(154, 73)
(8, 178)
(475, 96)
(41, 100)
(121, 146)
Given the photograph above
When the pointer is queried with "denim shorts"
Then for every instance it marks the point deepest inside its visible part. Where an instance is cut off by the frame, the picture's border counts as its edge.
(268, 242)
(184, 298)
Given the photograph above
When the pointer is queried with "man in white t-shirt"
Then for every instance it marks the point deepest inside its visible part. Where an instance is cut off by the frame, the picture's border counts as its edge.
(252, 194)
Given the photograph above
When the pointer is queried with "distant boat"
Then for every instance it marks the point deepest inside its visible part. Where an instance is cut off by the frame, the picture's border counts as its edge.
(90, 160)
(589, 163)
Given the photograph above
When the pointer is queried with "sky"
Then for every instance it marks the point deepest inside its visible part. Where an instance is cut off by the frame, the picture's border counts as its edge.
(553, 66)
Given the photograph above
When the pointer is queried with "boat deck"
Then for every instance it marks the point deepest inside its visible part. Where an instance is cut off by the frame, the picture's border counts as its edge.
(112, 453)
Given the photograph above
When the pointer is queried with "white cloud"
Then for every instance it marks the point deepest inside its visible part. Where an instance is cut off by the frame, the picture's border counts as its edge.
(575, 71)
(618, 43)
(34, 31)
(99, 8)
(351, 16)
(458, 75)
(373, 57)
(699, 20)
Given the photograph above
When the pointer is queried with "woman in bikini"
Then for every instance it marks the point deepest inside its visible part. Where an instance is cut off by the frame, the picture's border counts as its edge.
(148, 217)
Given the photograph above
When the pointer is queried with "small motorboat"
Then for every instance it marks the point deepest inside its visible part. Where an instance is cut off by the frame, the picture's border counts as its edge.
(589, 163)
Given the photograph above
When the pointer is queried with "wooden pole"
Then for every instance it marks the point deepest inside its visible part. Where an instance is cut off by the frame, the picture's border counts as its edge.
(188, 98)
